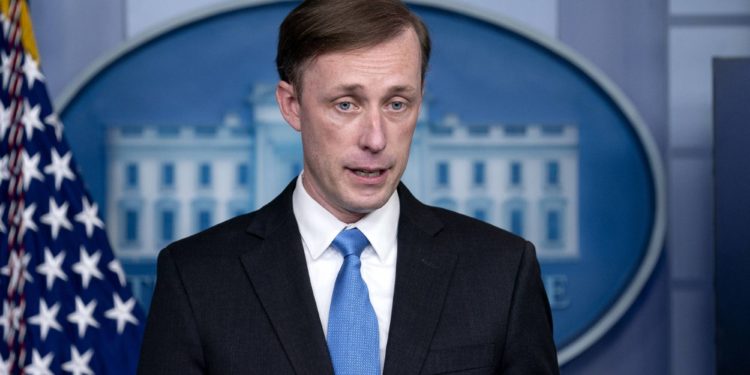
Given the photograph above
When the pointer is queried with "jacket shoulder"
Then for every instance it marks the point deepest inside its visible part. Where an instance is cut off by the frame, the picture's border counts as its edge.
(223, 239)
(475, 234)
(237, 234)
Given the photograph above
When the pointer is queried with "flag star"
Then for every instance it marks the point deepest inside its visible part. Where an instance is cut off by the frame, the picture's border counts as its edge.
(78, 364)
(122, 312)
(4, 120)
(10, 270)
(31, 169)
(52, 267)
(5, 321)
(89, 217)
(6, 270)
(57, 217)
(6, 68)
(15, 318)
(31, 71)
(87, 267)
(83, 317)
(4, 169)
(10, 320)
(60, 168)
(27, 220)
(39, 365)
(30, 119)
(14, 267)
(47, 318)
(116, 267)
(6, 25)
(54, 121)
(5, 366)
(2, 212)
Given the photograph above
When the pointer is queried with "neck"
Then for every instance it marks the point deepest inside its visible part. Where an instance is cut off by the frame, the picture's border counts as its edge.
(346, 217)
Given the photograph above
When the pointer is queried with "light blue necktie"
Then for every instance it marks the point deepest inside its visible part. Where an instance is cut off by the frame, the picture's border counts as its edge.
(352, 325)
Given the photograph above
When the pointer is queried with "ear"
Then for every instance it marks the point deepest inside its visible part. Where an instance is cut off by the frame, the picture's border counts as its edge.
(289, 105)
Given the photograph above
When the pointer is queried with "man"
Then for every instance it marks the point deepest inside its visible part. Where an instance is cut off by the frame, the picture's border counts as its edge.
(346, 270)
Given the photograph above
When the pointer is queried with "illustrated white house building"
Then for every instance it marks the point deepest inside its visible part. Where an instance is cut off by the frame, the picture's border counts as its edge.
(169, 181)
(523, 178)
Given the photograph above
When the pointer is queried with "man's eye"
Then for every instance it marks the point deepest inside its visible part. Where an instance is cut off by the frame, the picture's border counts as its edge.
(397, 106)
(345, 106)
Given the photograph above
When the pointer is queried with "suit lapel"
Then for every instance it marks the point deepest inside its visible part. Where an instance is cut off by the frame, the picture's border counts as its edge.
(423, 272)
(278, 272)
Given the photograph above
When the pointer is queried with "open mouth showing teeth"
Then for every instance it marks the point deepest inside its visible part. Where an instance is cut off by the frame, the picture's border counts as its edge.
(366, 173)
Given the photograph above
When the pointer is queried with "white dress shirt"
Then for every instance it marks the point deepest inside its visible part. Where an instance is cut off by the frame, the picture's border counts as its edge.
(318, 228)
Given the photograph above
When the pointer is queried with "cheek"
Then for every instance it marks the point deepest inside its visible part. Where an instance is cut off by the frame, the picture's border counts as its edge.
(320, 149)
(403, 134)
(314, 135)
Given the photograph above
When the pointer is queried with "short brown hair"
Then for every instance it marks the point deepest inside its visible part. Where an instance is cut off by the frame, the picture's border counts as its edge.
(316, 27)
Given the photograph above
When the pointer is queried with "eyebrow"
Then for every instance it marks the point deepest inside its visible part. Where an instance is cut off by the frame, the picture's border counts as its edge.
(355, 88)
(403, 89)
(349, 89)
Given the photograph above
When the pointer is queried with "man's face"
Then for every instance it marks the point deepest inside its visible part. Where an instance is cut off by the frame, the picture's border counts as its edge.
(357, 115)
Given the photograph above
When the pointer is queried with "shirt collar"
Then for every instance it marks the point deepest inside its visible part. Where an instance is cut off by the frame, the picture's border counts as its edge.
(318, 227)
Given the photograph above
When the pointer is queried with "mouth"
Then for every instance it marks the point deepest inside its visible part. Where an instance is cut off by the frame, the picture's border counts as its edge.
(368, 172)
(369, 175)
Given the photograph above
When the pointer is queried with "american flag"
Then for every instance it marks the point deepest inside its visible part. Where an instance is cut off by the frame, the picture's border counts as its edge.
(66, 306)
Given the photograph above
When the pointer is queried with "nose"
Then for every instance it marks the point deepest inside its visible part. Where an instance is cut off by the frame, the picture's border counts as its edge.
(373, 135)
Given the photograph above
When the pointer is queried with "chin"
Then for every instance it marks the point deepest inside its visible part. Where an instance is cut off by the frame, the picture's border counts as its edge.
(365, 206)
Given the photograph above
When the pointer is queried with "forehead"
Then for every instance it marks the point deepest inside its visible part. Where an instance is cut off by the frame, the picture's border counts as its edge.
(398, 58)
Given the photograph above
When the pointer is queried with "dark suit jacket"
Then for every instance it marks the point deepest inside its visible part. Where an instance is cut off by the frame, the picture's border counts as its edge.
(236, 299)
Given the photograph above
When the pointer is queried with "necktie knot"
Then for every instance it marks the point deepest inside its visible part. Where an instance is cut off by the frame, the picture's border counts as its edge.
(350, 242)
